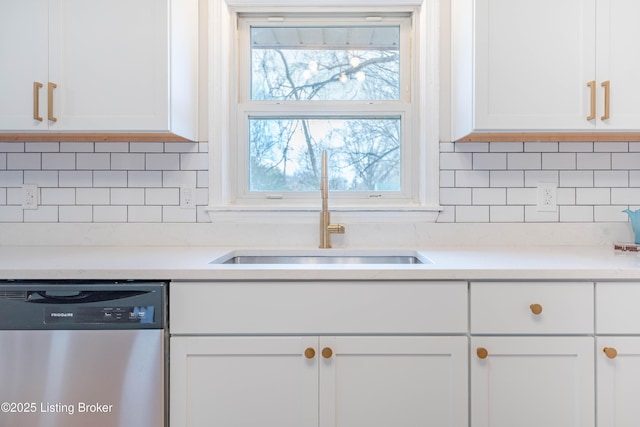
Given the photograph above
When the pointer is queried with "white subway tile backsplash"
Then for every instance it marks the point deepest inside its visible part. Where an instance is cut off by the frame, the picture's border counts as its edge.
(611, 178)
(455, 160)
(489, 161)
(127, 196)
(593, 196)
(455, 196)
(472, 214)
(625, 196)
(179, 178)
(611, 213)
(489, 196)
(92, 196)
(517, 161)
(76, 179)
(93, 161)
(140, 182)
(594, 161)
(145, 214)
(521, 196)
(127, 161)
(11, 214)
(75, 213)
(176, 214)
(629, 161)
(42, 214)
(162, 196)
(110, 179)
(542, 147)
(558, 161)
(41, 178)
(506, 213)
(576, 179)
(576, 213)
(11, 178)
(22, 161)
(471, 178)
(533, 177)
(163, 162)
(506, 178)
(58, 196)
(109, 214)
(145, 178)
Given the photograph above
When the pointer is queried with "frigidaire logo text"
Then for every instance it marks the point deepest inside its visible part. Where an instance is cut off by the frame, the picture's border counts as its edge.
(61, 314)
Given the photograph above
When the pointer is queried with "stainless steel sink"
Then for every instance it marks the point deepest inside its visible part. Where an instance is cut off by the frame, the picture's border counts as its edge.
(325, 257)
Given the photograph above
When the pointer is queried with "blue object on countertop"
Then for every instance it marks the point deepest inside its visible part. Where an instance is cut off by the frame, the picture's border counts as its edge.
(634, 216)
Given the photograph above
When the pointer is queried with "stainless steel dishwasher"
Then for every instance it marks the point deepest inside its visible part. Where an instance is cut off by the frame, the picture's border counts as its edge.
(78, 354)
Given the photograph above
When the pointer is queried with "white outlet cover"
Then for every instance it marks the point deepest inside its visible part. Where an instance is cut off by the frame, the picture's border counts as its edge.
(547, 197)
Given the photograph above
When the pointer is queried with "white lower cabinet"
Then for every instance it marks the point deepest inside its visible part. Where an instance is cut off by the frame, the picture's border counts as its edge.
(618, 357)
(319, 354)
(532, 361)
(319, 381)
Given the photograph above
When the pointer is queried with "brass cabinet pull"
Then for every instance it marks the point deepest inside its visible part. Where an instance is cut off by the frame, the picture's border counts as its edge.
(611, 352)
(51, 87)
(607, 97)
(536, 309)
(327, 353)
(482, 353)
(310, 353)
(592, 86)
(36, 101)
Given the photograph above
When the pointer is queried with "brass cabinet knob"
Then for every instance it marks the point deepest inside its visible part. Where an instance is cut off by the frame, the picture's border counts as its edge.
(327, 353)
(310, 353)
(536, 309)
(610, 352)
(482, 352)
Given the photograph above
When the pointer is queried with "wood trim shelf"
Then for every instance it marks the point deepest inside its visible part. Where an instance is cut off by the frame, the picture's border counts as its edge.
(551, 137)
(91, 137)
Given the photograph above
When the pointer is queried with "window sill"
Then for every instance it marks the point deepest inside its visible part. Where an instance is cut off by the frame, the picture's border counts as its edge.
(309, 215)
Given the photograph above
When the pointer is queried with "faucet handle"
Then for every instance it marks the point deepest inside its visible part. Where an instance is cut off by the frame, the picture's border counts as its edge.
(335, 228)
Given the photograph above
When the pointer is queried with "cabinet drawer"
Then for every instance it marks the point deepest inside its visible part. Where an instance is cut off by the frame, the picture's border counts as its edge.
(617, 308)
(532, 308)
(318, 307)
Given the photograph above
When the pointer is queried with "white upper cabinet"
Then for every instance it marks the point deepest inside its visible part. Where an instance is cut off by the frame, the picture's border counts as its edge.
(546, 65)
(103, 66)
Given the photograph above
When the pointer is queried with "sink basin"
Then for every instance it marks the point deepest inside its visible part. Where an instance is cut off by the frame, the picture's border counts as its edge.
(276, 257)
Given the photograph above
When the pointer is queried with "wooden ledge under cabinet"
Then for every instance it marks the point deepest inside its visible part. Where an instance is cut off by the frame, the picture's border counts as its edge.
(92, 137)
(551, 137)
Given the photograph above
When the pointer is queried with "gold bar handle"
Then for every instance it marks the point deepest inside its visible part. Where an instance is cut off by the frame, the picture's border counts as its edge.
(592, 86)
(51, 117)
(36, 100)
(607, 98)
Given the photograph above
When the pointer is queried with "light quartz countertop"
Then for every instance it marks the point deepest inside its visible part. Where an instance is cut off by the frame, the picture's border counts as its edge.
(193, 263)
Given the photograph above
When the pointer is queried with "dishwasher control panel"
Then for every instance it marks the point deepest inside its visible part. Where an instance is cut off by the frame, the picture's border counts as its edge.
(96, 315)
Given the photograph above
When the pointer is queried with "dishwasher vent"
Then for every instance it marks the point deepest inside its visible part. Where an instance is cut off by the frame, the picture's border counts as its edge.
(17, 295)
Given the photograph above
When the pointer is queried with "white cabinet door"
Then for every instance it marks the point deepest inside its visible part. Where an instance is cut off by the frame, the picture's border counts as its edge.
(23, 55)
(394, 381)
(617, 39)
(109, 60)
(618, 381)
(532, 382)
(533, 62)
(243, 382)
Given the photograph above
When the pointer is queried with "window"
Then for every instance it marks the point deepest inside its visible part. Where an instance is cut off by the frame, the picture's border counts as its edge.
(307, 81)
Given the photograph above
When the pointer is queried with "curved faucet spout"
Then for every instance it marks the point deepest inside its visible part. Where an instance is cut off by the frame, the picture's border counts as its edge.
(326, 228)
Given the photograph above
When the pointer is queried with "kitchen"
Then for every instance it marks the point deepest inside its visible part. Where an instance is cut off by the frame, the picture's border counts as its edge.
(122, 201)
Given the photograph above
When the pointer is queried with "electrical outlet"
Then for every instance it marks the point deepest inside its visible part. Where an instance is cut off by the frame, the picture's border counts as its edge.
(30, 196)
(186, 198)
(547, 197)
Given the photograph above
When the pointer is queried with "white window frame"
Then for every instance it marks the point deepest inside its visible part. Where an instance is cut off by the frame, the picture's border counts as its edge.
(223, 205)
